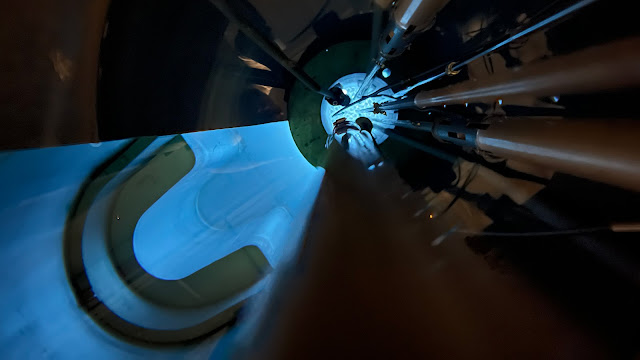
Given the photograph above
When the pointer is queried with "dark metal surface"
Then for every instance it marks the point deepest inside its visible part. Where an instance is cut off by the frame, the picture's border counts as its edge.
(48, 71)
(269, 47)
(417, 13)
(409, 19)
(443, 155)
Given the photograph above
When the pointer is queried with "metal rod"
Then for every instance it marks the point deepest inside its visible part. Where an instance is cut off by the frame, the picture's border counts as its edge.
(604, 150)
(376, 28)
(606, 67)
(408, 20)
(270, 48)
(367, 82)
(568, 11)
(476, 56)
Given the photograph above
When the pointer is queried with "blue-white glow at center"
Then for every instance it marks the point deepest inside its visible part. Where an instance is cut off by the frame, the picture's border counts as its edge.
(350, 85)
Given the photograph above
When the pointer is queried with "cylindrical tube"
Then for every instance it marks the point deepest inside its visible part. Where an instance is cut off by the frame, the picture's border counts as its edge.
(604, 150)
(605, 67)
(625, 227)
(366, 83)
(409, 19)
(406, 103)
(417, 13)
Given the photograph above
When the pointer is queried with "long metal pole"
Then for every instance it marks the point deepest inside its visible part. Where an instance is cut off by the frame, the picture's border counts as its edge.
(566, 12)
(270, 48)
(605, 150)
(410, 18)
(606, 67)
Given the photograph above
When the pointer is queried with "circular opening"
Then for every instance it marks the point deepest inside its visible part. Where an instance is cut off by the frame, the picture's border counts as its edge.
(350, 85)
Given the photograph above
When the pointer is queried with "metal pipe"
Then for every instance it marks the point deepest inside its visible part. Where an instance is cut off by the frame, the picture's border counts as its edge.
(368, 80)
(426, 126)
(417, 13)
(606, 67)
(625, 227)
(270, 48)
(568, 11)
(406, 103)
(410, 18)
(558, 16)
(604, 150)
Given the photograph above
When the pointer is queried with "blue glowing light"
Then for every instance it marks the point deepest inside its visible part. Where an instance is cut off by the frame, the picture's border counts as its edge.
(247, 181)
(256, 175)
(351, 84)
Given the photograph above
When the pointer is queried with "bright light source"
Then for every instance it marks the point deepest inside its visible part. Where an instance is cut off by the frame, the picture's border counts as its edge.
(430, 216)
(349, 85)
(386, 73)
(499, 101)
(372, 167)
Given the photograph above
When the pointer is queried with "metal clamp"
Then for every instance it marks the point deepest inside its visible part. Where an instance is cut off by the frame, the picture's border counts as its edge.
(449, 71)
